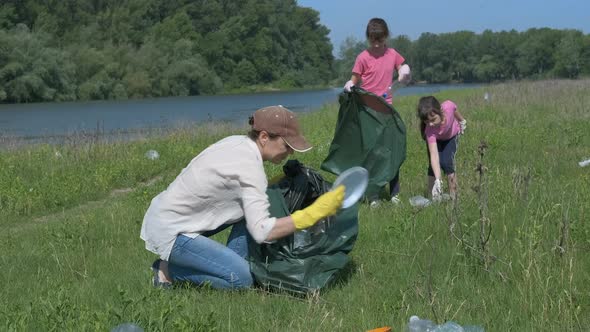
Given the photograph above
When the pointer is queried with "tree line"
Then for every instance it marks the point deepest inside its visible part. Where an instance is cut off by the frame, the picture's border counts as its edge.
(64, 50)
(59, 50)
(465, 56)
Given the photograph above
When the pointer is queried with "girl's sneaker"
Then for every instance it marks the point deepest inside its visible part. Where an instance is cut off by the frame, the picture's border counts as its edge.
(395, 200)
(374, 204)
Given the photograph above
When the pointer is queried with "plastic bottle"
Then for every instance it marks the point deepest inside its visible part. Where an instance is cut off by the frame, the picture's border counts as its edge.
(127, 327)
(449, 327)
(389, 92)
(152, 155)
(419, 201)
(420, 325)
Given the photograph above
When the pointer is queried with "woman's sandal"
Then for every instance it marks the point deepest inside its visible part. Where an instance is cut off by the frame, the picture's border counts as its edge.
(156, 279)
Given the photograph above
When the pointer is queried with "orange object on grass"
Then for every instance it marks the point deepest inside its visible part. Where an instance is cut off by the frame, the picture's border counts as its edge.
(381, 329)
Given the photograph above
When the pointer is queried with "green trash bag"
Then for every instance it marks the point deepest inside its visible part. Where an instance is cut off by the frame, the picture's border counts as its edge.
(310, 259)
(369, 133)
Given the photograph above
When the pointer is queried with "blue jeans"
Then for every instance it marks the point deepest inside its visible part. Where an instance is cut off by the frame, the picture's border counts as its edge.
(202, 260)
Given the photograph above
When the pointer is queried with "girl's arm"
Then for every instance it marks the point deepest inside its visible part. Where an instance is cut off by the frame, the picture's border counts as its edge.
(436, 189)
(354, 81)
(355, 78)
(434, 161)
(403, 74)
(462, 122)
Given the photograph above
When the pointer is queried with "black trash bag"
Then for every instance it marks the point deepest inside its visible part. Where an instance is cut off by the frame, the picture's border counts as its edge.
(309, 259)
(369, 133)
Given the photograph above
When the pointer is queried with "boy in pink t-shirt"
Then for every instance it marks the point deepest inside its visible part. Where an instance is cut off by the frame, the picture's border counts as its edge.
(440, 125)
(374, 69)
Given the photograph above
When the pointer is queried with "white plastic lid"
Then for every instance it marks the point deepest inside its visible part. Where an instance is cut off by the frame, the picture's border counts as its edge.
(355, 179)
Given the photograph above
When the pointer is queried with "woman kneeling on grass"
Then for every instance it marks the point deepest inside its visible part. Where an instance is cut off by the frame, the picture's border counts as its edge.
(226, 183)
(440, 125)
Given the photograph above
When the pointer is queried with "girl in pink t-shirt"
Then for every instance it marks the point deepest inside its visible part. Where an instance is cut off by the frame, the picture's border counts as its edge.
(440, 125)
(374, 69)
(375, 66)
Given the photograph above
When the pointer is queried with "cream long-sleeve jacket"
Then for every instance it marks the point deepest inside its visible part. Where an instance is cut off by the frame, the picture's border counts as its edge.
(221, 185)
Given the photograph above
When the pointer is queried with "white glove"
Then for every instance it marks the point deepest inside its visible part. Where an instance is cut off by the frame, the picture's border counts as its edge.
(403, 74)
(463, 125)
(437, 190)
(348, 86)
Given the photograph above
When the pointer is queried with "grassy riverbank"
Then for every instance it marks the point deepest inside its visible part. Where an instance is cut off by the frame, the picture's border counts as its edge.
(512, 255)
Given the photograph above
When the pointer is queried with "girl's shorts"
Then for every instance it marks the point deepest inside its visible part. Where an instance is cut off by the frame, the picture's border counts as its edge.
(446, 155)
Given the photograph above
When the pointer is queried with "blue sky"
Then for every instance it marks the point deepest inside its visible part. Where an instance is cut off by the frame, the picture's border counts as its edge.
(347, 18)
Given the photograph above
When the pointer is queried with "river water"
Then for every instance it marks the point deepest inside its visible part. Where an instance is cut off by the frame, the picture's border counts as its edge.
(41, 121)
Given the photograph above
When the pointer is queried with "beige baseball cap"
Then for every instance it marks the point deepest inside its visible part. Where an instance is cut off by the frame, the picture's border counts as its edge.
(278, 120)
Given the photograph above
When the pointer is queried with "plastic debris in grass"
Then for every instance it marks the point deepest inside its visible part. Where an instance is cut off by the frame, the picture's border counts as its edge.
(152, 155)
(419, 201)
(584, 163)
(416, 324)
(127, 327)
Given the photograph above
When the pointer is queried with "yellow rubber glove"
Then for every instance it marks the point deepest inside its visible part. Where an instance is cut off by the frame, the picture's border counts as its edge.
(324, 206)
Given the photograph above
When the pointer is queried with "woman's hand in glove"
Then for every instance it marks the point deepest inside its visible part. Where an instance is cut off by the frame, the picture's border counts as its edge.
(324, 206)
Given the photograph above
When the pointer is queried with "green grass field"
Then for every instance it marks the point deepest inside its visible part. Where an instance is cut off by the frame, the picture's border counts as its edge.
(513, 253)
